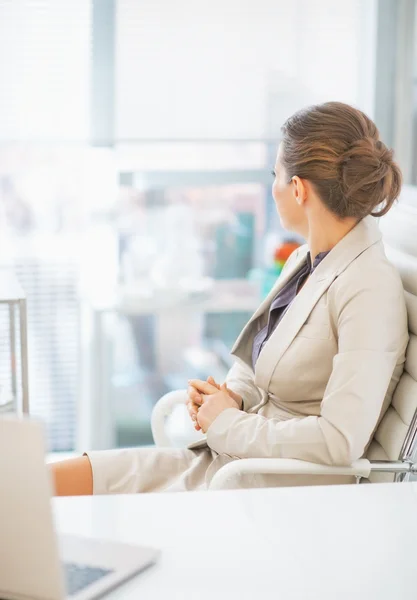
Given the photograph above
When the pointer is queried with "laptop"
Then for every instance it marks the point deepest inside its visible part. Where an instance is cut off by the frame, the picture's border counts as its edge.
(35, 563)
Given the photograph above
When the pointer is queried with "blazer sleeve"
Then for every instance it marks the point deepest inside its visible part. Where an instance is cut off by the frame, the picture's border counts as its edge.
(372, 336)
(240, 379)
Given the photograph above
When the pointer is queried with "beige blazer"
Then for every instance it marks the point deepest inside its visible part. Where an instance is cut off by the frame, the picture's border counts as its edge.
(327, 373)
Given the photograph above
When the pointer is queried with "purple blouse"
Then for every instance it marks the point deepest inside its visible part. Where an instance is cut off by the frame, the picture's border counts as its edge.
(282, 301)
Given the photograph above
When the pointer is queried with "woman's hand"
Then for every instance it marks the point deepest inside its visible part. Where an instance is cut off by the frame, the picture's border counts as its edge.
(200, 388)
(215, 401)
(195, 400)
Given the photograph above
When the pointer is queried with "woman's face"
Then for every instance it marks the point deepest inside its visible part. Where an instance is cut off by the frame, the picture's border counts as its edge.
(292, 214)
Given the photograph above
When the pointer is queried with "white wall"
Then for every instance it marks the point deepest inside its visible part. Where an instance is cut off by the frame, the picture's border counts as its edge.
(237, 68)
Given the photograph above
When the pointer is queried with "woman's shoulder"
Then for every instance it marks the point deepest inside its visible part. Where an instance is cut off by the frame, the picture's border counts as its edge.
(367, 301)
(371, 274)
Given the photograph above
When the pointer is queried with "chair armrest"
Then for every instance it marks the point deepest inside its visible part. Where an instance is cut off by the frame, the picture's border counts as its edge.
(284, 466)
(162, 409)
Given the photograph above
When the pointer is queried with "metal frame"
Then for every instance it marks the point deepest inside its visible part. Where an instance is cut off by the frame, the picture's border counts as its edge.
(23, 408)
(407, 451)
(12, 295)
(24, 355)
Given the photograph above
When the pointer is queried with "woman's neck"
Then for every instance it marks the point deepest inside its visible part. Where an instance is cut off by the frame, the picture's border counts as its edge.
(326, 231)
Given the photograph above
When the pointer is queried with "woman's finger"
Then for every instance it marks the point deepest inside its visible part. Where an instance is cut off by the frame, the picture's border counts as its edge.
(204, 387)
(211, 380)
(192, 410)
(194, 396)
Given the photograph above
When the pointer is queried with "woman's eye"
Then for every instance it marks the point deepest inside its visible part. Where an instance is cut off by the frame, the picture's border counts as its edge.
(273, 173)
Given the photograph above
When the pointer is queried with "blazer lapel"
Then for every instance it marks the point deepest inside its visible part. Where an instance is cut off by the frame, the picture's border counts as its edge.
(359, 239)
(289, 326)
(240, 348)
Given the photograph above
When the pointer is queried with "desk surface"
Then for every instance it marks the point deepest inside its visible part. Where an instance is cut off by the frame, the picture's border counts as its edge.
(223, 295)
(334, 543)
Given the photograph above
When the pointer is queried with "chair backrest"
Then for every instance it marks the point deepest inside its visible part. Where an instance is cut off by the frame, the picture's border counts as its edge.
(396, 435)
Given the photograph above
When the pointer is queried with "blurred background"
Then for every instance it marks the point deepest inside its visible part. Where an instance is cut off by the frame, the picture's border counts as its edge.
(137, 140)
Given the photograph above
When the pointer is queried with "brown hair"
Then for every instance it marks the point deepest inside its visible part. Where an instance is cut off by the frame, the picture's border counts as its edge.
(337, 148)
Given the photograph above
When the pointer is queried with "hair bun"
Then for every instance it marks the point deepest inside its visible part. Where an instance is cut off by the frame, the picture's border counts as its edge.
(336, 147)
(384, 154)
(370, 148)
(367, 168)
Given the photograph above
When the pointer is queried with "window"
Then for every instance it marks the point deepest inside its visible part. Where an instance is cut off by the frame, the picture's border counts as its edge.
(188, 98)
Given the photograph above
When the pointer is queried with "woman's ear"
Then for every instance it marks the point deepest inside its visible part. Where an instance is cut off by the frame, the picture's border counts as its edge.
(299, 190)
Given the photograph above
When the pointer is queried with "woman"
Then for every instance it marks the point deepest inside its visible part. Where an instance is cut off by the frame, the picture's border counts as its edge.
(317, 364)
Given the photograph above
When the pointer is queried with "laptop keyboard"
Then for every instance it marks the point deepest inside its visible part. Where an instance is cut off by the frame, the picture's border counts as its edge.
(79, 577)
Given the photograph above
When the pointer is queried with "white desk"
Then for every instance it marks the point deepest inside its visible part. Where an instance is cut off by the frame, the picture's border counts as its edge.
(334, 543)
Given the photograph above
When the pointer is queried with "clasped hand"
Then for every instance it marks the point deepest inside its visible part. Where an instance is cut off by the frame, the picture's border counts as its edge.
(207, 399)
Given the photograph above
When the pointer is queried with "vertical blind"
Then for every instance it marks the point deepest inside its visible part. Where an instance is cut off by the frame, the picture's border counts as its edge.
(45, 64)
(44, 69)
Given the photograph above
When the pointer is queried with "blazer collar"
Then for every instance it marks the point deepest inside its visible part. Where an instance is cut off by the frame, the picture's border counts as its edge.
(361, 237)
(365, 234)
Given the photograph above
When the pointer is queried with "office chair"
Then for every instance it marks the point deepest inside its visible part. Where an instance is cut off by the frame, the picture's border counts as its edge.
(390, 455)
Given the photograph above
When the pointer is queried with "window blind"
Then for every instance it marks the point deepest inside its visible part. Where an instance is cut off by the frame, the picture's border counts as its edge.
(45, 73)
(44, 70)
(235, 69)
